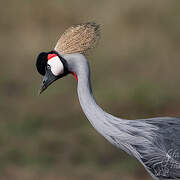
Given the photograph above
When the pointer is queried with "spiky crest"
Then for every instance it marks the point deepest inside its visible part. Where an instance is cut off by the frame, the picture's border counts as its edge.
(78, 38)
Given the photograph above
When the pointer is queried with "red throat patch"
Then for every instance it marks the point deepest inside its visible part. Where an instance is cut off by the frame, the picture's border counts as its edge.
(51, 56)
(75, 75)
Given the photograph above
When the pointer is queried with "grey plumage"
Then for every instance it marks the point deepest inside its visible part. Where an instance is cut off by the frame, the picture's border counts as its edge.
(155, 142)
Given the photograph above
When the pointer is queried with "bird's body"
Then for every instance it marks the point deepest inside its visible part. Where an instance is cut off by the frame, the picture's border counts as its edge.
(154, 142)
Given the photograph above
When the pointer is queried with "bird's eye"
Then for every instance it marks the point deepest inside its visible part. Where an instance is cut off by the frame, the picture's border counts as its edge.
(48, 66)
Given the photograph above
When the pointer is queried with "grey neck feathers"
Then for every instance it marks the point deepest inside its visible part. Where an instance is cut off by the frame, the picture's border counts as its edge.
(78, 64)
(119, 132)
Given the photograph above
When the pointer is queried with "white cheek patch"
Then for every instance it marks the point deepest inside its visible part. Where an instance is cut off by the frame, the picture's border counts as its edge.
(57, 67)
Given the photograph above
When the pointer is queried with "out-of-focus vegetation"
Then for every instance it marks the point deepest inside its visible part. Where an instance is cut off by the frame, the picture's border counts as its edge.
(135, 74)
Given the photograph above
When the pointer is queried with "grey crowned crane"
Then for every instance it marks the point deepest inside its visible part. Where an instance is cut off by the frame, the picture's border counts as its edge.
(155, 142)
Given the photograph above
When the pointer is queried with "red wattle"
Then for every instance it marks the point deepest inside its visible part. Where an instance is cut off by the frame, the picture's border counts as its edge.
(75, 75)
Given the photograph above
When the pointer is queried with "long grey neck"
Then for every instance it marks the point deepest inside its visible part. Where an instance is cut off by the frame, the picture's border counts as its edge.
(114, 129)
(92, 111)
(78, 64)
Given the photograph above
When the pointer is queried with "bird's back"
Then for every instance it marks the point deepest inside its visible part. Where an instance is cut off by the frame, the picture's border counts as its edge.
(154, 142)
(163, 158)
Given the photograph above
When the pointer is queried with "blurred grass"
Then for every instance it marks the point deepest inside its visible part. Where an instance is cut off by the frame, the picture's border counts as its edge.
(134, 75)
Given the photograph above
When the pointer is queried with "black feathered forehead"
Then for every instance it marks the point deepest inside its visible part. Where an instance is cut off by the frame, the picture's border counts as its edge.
(41, 62)
(42, 59)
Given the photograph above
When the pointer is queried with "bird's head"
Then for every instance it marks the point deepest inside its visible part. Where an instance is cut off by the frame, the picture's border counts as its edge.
(51, 66)
(76, 39)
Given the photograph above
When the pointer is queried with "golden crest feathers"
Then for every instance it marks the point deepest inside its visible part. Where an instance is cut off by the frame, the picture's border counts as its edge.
(78, 38)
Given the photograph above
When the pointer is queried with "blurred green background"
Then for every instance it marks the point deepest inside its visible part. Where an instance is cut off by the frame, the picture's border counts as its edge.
(135, 74)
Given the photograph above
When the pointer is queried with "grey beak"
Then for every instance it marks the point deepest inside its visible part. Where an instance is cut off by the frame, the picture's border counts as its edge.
(48, 79)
